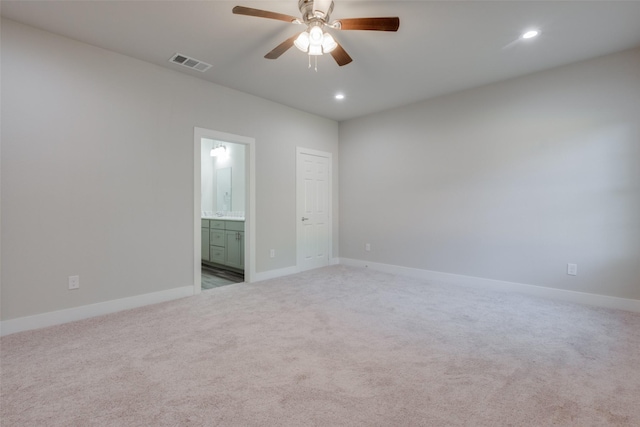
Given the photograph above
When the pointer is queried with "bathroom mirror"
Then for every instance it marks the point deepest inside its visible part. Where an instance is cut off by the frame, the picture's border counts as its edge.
(223, 190)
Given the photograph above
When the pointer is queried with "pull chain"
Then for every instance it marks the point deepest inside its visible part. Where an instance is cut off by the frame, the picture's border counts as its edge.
(315, 58)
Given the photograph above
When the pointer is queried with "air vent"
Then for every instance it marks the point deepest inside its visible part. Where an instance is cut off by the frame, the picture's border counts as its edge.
(188, 62)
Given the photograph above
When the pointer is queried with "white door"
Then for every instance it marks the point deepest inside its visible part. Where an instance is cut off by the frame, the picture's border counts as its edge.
(313, 208)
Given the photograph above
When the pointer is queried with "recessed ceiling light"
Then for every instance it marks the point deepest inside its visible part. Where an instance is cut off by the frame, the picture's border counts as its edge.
(339, 96)
(530, 34)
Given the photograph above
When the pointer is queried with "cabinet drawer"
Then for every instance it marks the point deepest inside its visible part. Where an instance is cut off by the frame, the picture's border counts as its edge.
(216, 238)
(205, 223)
(217, 254)
(235, 225)
(216, 223)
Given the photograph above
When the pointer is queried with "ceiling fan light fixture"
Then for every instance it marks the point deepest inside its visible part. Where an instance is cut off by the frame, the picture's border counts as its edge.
(316, 14)
(302, 42)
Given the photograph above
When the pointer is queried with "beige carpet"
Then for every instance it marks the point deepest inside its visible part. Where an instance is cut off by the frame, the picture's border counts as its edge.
(337, 346)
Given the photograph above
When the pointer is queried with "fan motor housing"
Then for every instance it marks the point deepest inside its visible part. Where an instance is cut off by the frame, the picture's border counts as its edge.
(306, 9)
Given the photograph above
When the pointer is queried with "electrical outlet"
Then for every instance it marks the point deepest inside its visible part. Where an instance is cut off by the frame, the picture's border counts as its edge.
(367, 247)
(74, 282)
(572, 269)
(272, 253)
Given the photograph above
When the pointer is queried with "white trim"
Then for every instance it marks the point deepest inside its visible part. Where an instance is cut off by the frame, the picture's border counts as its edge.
(329, 157)
(52, 318)
(273, 274)
(499, 285)
(250, 202)
(287, 271)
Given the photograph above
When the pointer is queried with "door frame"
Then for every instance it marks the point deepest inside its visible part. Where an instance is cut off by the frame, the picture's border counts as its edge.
(329, 157)
(250, 202)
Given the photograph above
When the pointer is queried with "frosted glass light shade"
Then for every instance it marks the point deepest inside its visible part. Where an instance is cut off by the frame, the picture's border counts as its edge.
(219, 151)
(315, 49)
(328, 43)
(315, 36)
(302, 42)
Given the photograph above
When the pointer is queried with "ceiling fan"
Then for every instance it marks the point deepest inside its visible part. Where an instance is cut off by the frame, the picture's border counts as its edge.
(314, 40)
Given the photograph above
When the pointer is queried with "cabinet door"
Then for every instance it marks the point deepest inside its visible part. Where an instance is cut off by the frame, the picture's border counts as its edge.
(242, 249)
(235, 249)
(205, 244)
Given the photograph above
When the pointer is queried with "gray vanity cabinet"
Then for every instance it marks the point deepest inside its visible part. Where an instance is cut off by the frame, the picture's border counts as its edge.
(225, 240)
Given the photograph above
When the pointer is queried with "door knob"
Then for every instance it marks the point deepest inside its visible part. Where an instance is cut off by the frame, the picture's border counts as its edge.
(305, 219)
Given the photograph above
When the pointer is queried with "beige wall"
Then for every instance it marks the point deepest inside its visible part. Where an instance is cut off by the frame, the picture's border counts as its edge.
(97, 171)
(510, 181)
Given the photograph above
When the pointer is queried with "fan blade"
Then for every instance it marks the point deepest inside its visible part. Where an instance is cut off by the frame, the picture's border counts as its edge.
(281, 48)
(341, 56)
(371, 24)
(241, 10)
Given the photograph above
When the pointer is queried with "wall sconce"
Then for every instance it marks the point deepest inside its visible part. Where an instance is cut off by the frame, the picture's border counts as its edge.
(219, 151)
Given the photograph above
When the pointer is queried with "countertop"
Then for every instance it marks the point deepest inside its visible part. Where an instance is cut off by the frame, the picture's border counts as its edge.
(224, 218)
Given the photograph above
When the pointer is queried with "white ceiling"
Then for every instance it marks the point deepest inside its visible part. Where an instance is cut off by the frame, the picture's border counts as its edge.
(441, 47)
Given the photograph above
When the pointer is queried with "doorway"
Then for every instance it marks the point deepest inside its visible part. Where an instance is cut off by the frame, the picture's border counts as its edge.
(313, 208)
(224, 209)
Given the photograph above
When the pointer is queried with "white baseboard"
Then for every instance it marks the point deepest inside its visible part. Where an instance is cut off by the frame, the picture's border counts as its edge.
(273, 274)
(499, 285)
(37, 321)
(52, 318)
